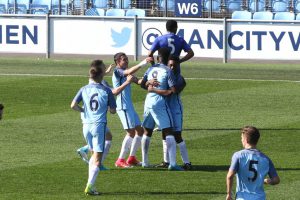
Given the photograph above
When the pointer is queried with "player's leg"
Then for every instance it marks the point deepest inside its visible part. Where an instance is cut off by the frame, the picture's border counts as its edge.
(148, 125)
(98, 143)
(136, 142)
(83, 151)
(108, 139)
(187, 165)
(166, 161)
(127, 141)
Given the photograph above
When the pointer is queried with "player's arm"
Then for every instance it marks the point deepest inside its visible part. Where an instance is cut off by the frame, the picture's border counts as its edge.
(188, 56)
(75, 103)
(272, 181)
(119, 89)
(75, 106)
(229, 184)
(273, 176)
(1, 110)
(161, 92)
(135, 68)
(111, 102)
(108, 70)
(180, 85)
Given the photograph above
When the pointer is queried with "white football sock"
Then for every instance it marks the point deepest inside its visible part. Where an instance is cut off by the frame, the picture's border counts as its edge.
(171, 146)
(145, 148)
(165, 152)
(106, 150)
(93, 172)
(136, 143)
(183, 152)
(126, 144)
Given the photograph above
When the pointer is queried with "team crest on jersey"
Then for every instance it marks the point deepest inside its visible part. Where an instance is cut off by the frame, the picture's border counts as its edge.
(154, 74)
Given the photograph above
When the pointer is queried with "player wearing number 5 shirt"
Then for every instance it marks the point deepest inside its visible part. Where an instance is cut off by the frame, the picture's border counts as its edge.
(251, 167)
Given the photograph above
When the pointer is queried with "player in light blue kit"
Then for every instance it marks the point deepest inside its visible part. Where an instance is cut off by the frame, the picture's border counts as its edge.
(83, 151)
(156, 110)
(125, 109)
(176, 107)
(175, 43)
(96, 99)
(251, 167)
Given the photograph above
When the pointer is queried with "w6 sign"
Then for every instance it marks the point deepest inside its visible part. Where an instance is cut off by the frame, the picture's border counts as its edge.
(188, 8)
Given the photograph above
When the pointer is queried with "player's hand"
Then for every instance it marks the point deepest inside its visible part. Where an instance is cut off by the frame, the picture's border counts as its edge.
(150, 88)
(109, 68)
(267, 181)
(154, 82)
(228, 197)
(150, 60)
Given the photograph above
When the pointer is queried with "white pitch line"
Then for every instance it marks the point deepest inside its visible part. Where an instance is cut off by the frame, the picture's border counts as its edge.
(212, 79)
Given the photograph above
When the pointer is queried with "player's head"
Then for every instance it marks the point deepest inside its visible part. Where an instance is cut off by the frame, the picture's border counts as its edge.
(174, 62)
(163, 55)
(97, 70)
(121, 60)
(171, 26)
(1, 110)
(250, 135)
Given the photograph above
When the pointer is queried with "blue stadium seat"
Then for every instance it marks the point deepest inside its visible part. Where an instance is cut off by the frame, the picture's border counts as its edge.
(40, 6)
(3, 6)
(170, 4)
(138, 12)
(55, 7)
(100, 3)
(215, 5)
(297, 6)
(298, 16)
(256, 6)
(284, 16)
(264, 15)
(115, 12)
(234, 5)
(244, 14)
(280, 6)
(21, 6)
(125, 5)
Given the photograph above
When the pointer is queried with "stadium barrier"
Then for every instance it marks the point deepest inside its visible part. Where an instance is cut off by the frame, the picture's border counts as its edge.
(96, 35)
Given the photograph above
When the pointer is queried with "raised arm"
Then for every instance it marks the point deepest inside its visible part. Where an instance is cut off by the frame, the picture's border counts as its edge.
(135, 68)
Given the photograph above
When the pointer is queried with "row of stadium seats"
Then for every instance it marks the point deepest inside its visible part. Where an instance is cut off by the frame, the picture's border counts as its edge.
(52, 6)
(115, 12)
(253, 5)
(265, 15)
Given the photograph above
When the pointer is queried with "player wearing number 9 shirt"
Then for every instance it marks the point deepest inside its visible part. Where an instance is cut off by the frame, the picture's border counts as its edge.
(251, 167)
(172, 41)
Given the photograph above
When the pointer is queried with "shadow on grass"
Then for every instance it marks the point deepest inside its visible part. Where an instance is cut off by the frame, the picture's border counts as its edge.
(163, 193)
(237, 129)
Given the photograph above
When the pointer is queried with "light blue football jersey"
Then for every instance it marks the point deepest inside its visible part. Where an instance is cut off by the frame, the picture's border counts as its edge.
(124, 98)
(96, 98)
(251, 167)
(174, 100)
(165, 77)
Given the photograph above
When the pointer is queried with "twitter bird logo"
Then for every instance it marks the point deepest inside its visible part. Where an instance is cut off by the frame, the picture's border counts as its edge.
(120, 39)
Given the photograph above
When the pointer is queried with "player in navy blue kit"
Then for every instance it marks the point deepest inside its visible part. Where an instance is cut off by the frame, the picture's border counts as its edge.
(251, 167)
(173, 42)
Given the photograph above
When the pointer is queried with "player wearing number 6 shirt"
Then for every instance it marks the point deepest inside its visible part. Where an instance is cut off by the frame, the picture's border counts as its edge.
(96, 99)
(251, 167)
(173, 42)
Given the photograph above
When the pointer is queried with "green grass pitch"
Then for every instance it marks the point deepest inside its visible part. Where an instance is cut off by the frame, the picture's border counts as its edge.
(39, 133)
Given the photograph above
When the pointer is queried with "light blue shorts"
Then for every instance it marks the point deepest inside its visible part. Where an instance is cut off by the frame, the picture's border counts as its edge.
(94, 135)
(161, 117)
(129, 118)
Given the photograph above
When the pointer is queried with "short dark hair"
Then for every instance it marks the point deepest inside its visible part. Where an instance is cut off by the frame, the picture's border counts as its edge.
(1, 106)
(96, 70)
(251, 134)
(171, 25)
(118, 56)
(163, 54)
(97, 63)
